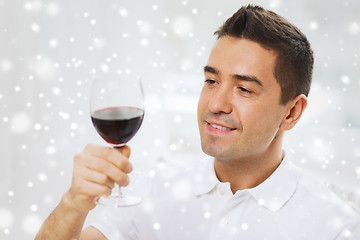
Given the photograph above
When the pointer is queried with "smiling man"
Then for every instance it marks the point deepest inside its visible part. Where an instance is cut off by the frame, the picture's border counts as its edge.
(241, 119)
(256, 84)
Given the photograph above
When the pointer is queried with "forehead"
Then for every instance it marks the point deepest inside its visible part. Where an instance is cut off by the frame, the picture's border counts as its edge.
(241, 56)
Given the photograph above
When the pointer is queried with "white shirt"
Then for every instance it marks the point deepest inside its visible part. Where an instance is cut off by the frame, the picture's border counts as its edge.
(193, 204)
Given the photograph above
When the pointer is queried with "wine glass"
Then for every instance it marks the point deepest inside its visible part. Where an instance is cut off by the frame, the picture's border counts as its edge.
(117, 112)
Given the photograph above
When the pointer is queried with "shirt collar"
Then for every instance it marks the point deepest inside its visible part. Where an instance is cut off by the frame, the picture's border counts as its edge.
(277, 189)
(206, 181)
(273, 193)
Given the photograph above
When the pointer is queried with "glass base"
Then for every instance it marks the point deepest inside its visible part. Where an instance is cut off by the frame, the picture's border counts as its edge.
(119, 201)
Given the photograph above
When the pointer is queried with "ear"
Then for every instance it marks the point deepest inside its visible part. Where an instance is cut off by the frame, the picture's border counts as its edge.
(295, 109)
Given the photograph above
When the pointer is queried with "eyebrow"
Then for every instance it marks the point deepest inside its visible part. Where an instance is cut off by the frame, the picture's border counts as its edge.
(242, 77)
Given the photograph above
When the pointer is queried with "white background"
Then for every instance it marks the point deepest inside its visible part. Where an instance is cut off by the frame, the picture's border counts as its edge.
(50, 50)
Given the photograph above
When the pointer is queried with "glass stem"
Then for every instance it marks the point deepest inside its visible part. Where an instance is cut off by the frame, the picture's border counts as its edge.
(117, 190)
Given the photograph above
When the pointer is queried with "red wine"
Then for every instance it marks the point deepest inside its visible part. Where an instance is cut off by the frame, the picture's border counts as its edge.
(117, 125)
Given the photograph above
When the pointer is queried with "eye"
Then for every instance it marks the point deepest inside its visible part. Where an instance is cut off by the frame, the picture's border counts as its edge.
(245, 90)
(210, 81)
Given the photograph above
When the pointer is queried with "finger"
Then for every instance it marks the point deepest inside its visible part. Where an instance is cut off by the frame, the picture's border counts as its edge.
(91, 189)
(125, 150)
(96, 177)
(106, 168)
(114, 156)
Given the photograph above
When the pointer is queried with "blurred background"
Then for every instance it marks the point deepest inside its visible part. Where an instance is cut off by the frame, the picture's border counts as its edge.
(51, 49)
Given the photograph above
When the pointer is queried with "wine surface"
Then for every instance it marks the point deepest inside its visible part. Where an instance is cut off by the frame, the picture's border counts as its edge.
(117, 125)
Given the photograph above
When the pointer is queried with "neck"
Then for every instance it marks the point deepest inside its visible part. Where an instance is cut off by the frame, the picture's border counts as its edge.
(249, 172)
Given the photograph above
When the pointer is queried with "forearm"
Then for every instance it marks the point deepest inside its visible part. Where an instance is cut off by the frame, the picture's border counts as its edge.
(65, 222)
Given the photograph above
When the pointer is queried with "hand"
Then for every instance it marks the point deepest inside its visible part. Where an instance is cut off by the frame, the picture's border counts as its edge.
(96, 170)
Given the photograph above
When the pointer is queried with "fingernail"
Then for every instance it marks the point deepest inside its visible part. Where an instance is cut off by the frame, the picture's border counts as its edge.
(127, 181)
(129, 168)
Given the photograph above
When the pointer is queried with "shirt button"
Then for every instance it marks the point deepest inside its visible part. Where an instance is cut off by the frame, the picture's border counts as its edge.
(221, 190)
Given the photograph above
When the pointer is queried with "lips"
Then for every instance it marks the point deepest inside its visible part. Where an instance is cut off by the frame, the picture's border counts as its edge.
(221, 127)
(218, 123)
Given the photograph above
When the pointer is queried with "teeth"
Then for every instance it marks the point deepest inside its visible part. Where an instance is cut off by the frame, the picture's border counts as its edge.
(220, 127)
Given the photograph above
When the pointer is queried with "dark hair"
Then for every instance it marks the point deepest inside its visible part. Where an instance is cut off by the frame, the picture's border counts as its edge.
(294, 63)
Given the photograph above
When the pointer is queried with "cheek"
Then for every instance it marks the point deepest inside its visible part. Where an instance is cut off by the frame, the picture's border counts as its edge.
(247, 113)
(259, 119)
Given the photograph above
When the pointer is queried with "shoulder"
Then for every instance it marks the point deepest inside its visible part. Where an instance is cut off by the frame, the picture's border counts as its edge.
(322, 205)
(317, 192)
(319, 212)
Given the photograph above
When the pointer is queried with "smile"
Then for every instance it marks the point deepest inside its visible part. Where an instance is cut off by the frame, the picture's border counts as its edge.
(221, 127)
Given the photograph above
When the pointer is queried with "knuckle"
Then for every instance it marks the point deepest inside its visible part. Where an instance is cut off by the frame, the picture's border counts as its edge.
(120, 161)
(119, 178)
(103, 179)
(88, 147)
(78, 157)
(105, 191)
(128, 167)
(100, 164)
(107, 152)
(123, 180)
(124, 165)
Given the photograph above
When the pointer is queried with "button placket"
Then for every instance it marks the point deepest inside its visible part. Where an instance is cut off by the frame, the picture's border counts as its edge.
(222, 226)
(221, 190)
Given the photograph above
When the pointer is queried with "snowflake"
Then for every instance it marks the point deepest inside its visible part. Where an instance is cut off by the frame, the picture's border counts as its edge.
(207, 215)
(144, 27)
(35, 27)
(52, 9)
(53, 43)
(31, 223)
(35, 5)
(313, 25)
(182, 189)
(182, 26)
(6, 218)
(42, 177)
(354, 28)
(20, 123)
(6, 65)
(56, 91)
(123, 12)
(144, 42)
(156, 226)
(244, 226)
(33, 207)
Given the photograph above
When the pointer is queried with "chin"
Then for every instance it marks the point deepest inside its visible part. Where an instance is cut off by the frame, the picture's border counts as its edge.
(213, 150)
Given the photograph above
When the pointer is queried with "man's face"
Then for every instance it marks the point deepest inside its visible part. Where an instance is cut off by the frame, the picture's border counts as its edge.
(239, 110)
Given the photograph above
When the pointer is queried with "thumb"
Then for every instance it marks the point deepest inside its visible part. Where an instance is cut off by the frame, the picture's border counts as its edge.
(126, 150)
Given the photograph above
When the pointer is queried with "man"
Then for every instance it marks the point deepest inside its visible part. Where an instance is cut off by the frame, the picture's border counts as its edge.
(256, 84)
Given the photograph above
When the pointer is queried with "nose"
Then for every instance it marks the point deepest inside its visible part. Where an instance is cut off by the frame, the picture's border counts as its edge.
(220, 101)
